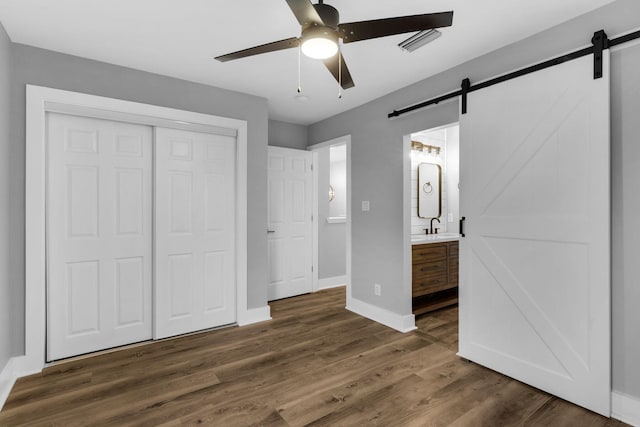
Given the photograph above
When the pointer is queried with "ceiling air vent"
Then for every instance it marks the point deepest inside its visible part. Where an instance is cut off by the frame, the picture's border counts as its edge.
(419, 39)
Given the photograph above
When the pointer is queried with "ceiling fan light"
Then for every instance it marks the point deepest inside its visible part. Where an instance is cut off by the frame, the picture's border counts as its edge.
(319, 43)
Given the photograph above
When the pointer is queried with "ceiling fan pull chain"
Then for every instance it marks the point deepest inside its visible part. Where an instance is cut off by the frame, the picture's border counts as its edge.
(299, 73)
(339, 72)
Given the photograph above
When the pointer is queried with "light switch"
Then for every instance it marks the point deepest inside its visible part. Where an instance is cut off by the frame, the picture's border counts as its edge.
(365, 206)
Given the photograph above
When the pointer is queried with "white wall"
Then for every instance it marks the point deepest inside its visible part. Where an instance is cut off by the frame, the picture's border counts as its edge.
(338, 180)
(436, 138)
(447, 138)
(8, 315)
(332, 238)
(625, 153)
(377, 170)
(453, 178)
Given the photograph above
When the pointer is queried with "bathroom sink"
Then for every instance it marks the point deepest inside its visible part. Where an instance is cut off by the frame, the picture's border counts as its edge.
(420, 239)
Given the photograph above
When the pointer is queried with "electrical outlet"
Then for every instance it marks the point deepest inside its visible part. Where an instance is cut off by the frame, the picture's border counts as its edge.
(377, 289)
(450, 217)
(365, 206)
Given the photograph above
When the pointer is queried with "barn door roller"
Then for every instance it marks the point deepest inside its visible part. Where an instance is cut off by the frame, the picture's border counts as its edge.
(600, 43)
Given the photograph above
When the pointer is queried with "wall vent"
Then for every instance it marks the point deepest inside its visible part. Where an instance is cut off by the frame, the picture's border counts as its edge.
(419, 39)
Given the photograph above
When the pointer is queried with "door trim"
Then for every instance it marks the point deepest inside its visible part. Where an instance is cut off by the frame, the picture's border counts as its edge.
(342, 140)
(41, 100)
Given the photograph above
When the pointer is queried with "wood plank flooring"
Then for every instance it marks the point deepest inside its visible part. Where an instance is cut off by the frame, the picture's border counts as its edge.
(314, 364)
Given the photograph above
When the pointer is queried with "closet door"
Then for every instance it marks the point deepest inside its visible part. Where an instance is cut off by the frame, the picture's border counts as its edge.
(535, 263)
(99, 239)
(194, 231)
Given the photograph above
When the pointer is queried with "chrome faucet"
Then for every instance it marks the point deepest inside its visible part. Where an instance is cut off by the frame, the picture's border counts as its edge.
(431, 226)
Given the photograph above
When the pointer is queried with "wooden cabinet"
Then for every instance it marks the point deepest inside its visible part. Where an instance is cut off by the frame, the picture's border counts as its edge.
(435, 276)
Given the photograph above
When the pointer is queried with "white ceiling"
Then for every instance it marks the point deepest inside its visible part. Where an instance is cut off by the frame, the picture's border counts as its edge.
(179, 38)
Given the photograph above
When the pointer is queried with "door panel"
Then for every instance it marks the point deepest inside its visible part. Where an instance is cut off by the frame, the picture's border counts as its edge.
(98, 235)
(535, 266)
(130, 294)
(195, 231)
(290, 203)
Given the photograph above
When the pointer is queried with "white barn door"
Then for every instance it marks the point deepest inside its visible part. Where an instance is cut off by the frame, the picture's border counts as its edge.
(535, 262)
(194, 231)
(289, 223)
(98, 235)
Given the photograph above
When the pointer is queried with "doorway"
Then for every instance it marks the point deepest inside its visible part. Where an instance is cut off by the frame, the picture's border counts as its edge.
(434, 186)
(332, 214)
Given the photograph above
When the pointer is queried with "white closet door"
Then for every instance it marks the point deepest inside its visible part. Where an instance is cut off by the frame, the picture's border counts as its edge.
(535, 262)
(289, 222)
(99, 239)
(194, 231)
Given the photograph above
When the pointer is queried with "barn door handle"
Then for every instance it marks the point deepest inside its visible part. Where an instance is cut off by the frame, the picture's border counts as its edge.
(462, 226)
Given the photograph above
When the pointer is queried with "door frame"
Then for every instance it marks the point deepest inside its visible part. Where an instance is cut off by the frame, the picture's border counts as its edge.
(342, 140)
(43, 100)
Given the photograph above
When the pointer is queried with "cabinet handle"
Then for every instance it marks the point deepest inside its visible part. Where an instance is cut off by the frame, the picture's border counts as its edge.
(462, 226)
(271, 231)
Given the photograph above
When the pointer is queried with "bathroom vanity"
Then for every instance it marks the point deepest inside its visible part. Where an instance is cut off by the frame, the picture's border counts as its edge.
(435, 272)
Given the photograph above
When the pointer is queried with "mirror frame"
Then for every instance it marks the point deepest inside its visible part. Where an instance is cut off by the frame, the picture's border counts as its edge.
(439, 190)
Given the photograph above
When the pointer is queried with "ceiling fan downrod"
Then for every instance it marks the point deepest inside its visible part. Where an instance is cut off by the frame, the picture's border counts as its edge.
(299, 72)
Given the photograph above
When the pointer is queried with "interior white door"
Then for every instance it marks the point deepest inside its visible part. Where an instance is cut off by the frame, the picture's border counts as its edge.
(194, 231)
(99, 239)
(289, 222)
(535, 269)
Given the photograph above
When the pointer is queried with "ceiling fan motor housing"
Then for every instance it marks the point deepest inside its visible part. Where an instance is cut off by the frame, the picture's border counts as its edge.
(330, 18)
(329, 14)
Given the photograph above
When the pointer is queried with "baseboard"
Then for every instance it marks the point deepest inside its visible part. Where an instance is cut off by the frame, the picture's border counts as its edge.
(388, 318)
(8, 377)
(255, 315)
(625, 408)
(332, 282)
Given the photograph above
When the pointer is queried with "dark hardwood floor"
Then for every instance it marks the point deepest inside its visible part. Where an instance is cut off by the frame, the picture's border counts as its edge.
(314, 364)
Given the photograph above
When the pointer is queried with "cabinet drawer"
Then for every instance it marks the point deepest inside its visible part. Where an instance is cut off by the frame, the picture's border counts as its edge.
(430, 284)
(429, 269)
(453, 266)
(453, 275)
(429, 252)
(453, 249)
(453, 263)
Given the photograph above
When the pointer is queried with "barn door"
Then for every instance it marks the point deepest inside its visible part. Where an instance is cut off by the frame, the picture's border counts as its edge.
(535, 267)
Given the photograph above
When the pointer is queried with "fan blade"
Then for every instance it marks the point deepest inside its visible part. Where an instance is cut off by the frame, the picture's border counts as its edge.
(364, 30)
(257, 50)
(344, 75)
(305, 12)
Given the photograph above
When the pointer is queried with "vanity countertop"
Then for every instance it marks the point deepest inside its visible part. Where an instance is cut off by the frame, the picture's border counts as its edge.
(421, 239)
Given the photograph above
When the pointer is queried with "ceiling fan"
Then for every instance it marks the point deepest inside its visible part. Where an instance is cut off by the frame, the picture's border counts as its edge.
(321, 31)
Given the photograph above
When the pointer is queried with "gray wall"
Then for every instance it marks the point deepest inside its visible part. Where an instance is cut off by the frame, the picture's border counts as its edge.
(332, 238)
(288, 135)
(51, 69)
(625, 152)
(7, 315)
(377, 173)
